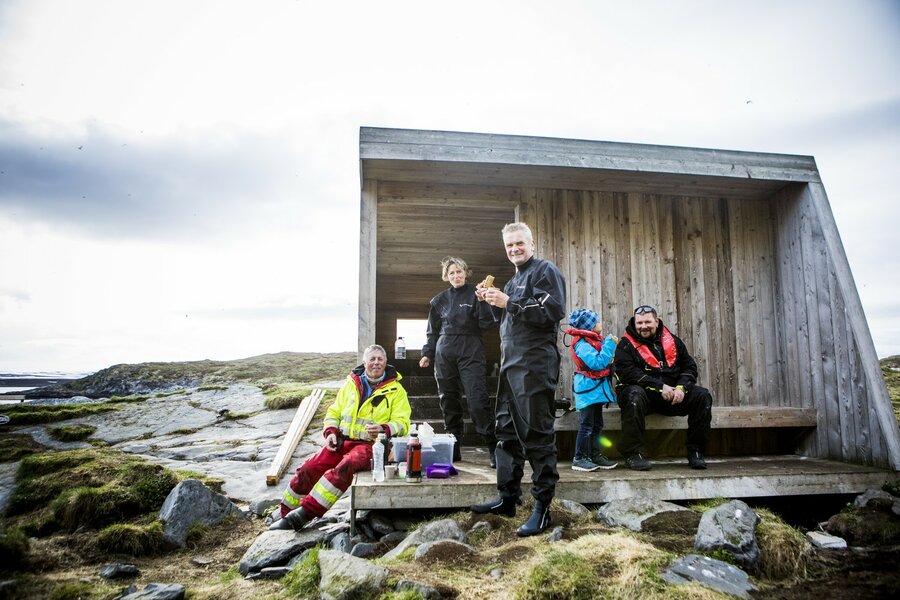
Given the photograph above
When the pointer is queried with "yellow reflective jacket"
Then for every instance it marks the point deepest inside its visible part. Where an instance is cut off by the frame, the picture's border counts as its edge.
(387, 405)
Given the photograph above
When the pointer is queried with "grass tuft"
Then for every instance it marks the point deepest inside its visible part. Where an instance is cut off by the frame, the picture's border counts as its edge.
(13, 546)
(71, 590)
(784, 551)
(72, 433)
(561, 575)
(303, 580)
(134, 540)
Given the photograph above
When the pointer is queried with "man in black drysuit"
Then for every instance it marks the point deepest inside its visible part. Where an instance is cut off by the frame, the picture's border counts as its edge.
(656, 374)
(456, 322)
(530, 308)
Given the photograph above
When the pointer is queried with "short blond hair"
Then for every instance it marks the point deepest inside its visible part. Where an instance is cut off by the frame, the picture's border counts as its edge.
(449, 261)
(512, 227)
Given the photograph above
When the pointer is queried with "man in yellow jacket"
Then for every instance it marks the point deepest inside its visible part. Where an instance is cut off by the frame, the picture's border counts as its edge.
(372, 401)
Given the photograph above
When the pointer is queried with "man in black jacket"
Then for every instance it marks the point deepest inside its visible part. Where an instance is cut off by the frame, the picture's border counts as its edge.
(656, 374)
(530, 307)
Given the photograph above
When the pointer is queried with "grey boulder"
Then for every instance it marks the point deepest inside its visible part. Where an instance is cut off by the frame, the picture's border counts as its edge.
(731, 527)
(711, 573)
(345, 577)
(275, 548)
(632, 513)
(191, 503)
(157, 591)
(445, 529)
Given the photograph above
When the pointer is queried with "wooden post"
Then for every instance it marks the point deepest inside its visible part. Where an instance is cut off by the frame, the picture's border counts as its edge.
(306, 410)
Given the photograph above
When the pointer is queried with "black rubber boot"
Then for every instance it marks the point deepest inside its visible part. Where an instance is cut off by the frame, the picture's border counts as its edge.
(498, 506)
(538, 522)
(493, 451)
(296, 520)
(457, 451)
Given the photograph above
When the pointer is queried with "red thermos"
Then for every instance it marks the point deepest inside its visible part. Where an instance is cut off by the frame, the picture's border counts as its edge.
(414, 459)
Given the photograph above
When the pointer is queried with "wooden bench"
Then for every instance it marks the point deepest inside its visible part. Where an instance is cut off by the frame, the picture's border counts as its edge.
(723, 417)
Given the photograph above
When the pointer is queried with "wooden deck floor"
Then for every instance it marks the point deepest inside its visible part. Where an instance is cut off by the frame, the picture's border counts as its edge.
(733, 477)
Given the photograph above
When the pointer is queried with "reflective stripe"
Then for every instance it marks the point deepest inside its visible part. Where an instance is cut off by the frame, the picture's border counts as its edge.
(325, 493)
(290, 498)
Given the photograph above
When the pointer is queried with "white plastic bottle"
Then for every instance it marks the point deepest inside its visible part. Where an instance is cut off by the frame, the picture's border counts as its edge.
(378, 458)
(400, 348)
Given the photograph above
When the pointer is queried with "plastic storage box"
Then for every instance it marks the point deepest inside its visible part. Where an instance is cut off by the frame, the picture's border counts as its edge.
(441, 450)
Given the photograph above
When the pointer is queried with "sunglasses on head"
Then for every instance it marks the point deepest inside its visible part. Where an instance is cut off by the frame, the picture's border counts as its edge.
(642, 310)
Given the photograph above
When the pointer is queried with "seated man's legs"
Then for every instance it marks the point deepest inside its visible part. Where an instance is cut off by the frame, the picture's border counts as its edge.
(334, 482)
(321, 475)
(306, 477)
(635, 406)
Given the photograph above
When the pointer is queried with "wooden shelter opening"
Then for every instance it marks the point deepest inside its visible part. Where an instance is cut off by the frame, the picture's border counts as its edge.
(738, 251)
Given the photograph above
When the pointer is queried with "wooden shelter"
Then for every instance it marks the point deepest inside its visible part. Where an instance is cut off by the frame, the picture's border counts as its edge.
(739, 252)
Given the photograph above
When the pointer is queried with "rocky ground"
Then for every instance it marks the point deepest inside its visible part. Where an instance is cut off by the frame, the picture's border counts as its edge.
(225, 433)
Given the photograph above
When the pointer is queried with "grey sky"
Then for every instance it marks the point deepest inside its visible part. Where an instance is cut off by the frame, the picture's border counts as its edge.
(179, 179)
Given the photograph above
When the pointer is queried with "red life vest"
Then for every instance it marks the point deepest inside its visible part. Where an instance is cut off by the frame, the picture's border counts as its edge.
(668, 344)
(594, 340)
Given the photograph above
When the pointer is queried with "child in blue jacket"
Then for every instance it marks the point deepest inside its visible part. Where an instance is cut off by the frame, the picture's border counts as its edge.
(593, 357)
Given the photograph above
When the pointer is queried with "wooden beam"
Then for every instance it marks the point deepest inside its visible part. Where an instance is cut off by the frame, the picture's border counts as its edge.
(444, 146)
(305, 412)
(879, 399)
(368, 253)
(745, 477)
(723, 417)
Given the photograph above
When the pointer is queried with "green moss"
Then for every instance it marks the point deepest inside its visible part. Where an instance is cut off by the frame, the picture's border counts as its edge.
(31, 414)
(890, 369)
(892, 487)
(53, 462)
(702, 506)
(212, 388)
(232, 574)
(303, 580)
(134, 540)
(172, 393)
(151, 483)
(213, 483)
(71, 590)
(72, 433)
(13, 546)
(86, 487)
(560, 575)
(185, 431)
(120, 399)
(288, 395)
(15, 446)
(402, 595)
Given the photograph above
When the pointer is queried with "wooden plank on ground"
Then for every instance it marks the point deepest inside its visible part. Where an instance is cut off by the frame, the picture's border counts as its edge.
(305, 412)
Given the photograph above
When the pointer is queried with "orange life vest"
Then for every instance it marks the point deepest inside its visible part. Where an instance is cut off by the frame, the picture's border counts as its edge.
(594, 340)
(669, 350)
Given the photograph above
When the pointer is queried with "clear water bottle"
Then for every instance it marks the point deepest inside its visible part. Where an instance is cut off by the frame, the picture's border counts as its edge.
(378, 458)
(400, 348)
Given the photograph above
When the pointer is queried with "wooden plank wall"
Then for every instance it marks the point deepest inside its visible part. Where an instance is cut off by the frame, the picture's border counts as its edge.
(706, 264)
(819, 343)
(749, 284)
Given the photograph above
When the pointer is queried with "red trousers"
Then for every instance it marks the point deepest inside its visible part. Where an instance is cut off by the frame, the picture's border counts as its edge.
(325, 475)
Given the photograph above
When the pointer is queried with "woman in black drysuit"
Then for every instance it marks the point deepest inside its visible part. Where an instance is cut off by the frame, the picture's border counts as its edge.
(456, 322)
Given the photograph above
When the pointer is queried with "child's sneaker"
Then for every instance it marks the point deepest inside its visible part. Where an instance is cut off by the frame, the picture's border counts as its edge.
(603, 463)
(584, 464)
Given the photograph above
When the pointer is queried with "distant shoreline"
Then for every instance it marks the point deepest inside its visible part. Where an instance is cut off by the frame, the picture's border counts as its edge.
(32, 382)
